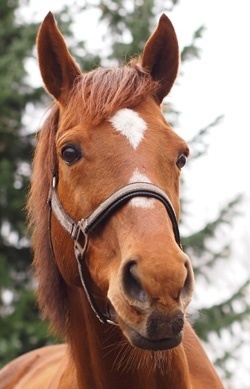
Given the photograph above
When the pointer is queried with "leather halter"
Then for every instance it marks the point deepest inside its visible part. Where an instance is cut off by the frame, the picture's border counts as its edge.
(80, 229)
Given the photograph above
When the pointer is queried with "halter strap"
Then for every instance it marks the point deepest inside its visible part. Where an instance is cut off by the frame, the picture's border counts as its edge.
(80, 229)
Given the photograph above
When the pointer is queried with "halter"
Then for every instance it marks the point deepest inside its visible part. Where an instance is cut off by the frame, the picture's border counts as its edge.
(79, 230)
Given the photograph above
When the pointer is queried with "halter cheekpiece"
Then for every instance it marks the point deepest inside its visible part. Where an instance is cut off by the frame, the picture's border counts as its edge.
(79, 230)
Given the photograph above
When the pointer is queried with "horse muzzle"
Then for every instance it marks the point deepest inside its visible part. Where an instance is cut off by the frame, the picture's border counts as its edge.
(149, 303)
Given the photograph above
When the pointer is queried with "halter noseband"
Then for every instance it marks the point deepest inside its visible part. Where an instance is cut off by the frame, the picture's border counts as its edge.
(80, 229)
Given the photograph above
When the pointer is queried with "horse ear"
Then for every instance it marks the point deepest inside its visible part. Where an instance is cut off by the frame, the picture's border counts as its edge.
(161, 56)
(58, 69)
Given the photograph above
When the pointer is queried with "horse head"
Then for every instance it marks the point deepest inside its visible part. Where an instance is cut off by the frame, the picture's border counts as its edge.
(108, 132)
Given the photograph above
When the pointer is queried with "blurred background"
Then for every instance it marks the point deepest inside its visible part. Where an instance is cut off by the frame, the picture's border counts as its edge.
(208, 107)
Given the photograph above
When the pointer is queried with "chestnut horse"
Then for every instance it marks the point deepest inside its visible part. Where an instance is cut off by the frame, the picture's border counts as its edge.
(113, 279)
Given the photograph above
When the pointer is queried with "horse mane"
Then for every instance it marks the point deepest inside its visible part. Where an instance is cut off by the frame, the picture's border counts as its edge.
(103, 91)
(50, 283)
(95, 97)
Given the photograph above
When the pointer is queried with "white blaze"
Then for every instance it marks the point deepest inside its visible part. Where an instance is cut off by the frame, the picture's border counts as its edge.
(141, 202)
(130, 124)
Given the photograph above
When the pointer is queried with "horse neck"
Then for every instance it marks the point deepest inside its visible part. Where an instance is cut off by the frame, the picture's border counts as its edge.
(97, 350)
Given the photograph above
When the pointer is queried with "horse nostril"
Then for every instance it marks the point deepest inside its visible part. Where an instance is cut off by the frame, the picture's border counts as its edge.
(131, 283)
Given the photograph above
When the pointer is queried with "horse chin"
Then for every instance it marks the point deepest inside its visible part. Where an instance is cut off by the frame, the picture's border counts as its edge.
(139, 341)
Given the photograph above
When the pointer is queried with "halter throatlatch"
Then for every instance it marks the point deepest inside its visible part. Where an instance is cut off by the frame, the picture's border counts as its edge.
(79, 230)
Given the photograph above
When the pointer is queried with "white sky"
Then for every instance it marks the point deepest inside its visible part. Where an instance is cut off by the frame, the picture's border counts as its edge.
(217, 84)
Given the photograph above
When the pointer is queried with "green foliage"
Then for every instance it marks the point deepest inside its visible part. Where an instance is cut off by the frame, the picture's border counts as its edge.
(136, 23)
(223, 315)
(192, 50)
(198, 143)
(21, 327)
(18, 325)
(199, 244)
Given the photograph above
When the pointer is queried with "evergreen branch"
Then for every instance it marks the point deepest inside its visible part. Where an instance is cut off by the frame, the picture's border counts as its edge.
(208, 261)
(197, 241)
(198, 144)
(223, 315)
(192, 51)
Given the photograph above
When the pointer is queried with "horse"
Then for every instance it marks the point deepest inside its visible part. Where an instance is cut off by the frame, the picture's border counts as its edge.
(113, 279)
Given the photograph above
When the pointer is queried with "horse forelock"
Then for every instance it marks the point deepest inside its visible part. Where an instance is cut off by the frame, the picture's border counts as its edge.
(98, 94)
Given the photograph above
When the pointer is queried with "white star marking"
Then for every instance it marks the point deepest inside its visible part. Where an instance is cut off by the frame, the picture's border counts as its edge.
(141, 202)
(130, 124)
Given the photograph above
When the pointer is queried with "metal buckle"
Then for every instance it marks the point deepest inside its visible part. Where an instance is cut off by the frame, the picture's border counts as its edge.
(78, 248)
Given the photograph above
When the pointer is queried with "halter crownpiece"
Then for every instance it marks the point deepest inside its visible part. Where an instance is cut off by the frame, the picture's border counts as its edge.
(81, 228)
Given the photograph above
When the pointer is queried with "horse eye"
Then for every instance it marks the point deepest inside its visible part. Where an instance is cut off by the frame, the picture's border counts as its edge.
(71, 154)
(181, 161)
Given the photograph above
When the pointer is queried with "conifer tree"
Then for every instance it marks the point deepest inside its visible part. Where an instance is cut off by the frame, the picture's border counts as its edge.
(21, 328)
(17, 307)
